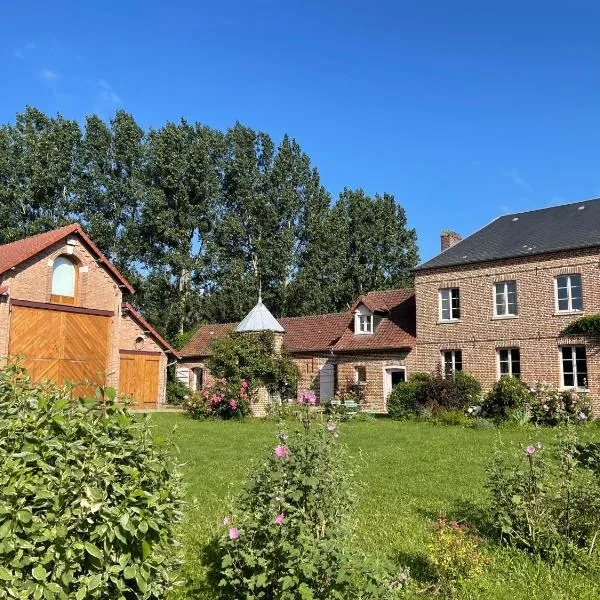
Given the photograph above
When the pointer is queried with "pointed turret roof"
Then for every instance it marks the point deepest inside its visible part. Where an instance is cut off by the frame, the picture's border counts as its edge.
(260, 319)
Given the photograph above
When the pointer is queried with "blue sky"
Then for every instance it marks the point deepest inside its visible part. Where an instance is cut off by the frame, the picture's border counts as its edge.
(463, 110)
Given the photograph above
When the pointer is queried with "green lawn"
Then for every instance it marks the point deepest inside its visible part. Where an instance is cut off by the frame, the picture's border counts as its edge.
(408, 472)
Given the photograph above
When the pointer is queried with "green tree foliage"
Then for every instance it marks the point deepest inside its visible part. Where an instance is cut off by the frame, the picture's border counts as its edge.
(252, 357)
(197, 218)
(88, 501)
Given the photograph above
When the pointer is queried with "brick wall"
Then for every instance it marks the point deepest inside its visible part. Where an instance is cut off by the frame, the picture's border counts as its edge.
(536, 330)
(375, 365)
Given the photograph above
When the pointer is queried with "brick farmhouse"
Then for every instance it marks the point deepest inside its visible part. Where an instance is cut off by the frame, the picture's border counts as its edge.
(62, 313)
(495, 303)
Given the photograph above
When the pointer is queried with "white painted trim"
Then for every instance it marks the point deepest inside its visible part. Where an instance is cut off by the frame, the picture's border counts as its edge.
(440, 316)
(570, 309)
(505, 294)
(510, 368)
(387, 388)
(574, 387)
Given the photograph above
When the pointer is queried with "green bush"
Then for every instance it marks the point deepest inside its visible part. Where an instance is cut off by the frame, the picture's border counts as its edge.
(290, 536)
(177, 392)
(509, 394)
(225, 399)
(88, 501)
(455, 554)
(468, 386)
(438, 392)
(549, 505)
(448, 416)
(401, 402)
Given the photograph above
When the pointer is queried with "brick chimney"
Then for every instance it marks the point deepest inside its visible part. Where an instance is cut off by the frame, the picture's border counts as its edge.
(449, 238)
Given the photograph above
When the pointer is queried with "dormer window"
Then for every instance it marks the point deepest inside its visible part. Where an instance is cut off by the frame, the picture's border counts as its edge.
(363, 324)
(64, 281)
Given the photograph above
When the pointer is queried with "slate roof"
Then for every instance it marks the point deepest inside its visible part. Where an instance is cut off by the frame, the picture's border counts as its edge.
(397, 328)
(334, 331)
(554, 229)
(259, 319)
(14, 253)
(137, 317)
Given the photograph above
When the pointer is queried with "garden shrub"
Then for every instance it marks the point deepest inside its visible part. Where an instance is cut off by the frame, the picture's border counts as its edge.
(509, 394)
(401, 402)
(225, 399)
(450, 416)
(88, 501)
(290, 535)
(177, 392)
(542, 404)
(438, 392)
(548, 505)
(455, 554)
(468, 386)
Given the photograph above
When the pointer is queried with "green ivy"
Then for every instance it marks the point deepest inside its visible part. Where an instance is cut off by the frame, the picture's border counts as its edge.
(88, 500)
(589, 325)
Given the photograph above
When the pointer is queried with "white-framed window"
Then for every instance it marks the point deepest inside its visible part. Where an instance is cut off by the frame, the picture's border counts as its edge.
(452, 361)
(505, 299)
(63, 277)
(574, 367)
(449, 304)
(364, 323)
(509, 362)
(360, 374)
(569, 297)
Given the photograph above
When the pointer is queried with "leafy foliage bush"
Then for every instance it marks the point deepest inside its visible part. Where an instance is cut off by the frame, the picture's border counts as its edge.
(252, 357)
(291, 535)
(508, 394)
(88, 500)
(426, 395)
(455, 553)
(177, 392)
(225, 399)
(548, 505)
(542, 404)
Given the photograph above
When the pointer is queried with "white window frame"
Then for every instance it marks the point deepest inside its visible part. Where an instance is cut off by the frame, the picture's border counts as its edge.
(364, 324)
(453, 352)
(510, 362)
(573, 349)
(504, 293)
(570, 308)
(440, 303)
(356, 377)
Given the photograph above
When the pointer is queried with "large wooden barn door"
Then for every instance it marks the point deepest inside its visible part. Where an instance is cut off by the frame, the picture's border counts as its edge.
(61, 346)
(138, 377)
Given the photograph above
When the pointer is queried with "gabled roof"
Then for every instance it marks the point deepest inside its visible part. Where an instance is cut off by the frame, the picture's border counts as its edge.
(137, 317)
(331, 332)
(14, 253)
(554, 229)
(396, 329)
(259, 319)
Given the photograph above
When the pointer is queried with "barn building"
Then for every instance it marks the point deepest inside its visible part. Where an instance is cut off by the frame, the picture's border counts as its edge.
(62, 314)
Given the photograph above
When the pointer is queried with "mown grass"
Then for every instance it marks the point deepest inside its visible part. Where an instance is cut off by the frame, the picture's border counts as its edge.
(408, 473)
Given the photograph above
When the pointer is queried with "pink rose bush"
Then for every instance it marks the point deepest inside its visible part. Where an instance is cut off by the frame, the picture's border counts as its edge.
(225, 399)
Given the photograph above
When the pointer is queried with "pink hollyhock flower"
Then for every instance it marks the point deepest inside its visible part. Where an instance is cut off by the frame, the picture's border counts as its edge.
(281, 451)
(216, 399)
(308, 398)
(233, 404)
(242, 393)
(234, 534)
(244, 383)
(331, 426)
(226, 521)
(205, 394)
(530, 450)
(279, 518)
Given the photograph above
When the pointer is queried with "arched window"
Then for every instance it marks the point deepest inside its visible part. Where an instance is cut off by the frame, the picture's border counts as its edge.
(64, 281)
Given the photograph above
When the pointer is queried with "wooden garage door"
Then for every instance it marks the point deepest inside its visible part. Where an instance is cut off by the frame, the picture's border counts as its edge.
(61, 346)
(138, 377)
